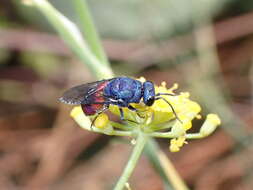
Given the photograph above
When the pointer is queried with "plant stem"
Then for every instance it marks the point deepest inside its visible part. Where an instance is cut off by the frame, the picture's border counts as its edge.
(89, 30)
(140, 143)
(164, 166)
(194, 136)
(163, 134)
(150, 151)
(171, 172)
(72, 36)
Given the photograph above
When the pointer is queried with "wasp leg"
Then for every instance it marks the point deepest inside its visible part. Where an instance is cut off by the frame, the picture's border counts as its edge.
(122, 116)
(93, 121)
(100, 111)
(173, 110)
(119, 101)
(137, 111)
(132, 108)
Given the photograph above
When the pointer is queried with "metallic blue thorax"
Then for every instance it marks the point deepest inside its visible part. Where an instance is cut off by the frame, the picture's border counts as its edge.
(125, 89)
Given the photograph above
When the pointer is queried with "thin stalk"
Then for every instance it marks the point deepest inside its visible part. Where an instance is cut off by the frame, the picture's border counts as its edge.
(140, 143)
(72, 36)
(163, 134)
(89, 30)
(150, 151)
(120, 126)
(171, 172)
(164, 166)
(173, 135)
(121, 133)
(194, 136)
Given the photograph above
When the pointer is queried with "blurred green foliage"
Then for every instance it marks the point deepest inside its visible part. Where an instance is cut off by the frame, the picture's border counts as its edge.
(4, 56)
(133, 19)
(44, 64)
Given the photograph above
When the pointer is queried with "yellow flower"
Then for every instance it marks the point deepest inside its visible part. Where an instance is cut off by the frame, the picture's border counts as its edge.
(77, 113)
(210, 124)
(101, 121)
(80, 118)
(177, 143)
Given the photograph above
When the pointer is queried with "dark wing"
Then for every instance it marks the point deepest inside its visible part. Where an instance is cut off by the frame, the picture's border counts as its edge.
(78, 94)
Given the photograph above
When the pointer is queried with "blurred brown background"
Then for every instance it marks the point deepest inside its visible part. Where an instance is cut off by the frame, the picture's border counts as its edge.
(42, 148)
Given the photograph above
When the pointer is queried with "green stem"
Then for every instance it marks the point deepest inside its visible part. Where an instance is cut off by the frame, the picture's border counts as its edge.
(164, 166)
(194, 136)
(140, 143)
(121, 133)
(171, 172)
(172, 135)
(150, 151)
(163, 135)
(72, 36)
(120, 126)
(89, 30)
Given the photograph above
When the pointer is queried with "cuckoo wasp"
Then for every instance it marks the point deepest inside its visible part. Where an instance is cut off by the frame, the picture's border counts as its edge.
(95, 97)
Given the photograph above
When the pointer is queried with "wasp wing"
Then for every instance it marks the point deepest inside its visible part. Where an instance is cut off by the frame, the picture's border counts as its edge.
(80, 94)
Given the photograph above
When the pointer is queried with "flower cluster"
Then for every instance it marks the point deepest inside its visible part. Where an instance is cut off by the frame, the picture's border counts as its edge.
(157, 120)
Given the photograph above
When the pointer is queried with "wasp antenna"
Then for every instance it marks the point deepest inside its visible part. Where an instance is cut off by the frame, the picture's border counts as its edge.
(166, 94)
(173, 110)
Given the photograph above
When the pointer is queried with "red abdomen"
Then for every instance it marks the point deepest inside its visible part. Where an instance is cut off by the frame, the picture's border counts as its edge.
(98, 96)
(91, 109)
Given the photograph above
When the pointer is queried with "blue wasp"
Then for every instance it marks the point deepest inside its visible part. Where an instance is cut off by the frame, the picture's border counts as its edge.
(96, 97)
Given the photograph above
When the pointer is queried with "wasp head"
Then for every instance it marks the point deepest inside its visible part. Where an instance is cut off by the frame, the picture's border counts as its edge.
(148, 93)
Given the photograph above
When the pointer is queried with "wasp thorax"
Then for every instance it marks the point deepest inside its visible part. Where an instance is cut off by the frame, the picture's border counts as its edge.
(148, 93)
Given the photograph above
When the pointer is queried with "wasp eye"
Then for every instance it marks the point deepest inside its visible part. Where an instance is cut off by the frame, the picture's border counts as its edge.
(150, 101)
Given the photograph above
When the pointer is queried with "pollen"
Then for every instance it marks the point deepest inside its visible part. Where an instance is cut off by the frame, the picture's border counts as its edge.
(101, 121)
(177, 143)
(187, 125)
(198, 116)
(174, 147)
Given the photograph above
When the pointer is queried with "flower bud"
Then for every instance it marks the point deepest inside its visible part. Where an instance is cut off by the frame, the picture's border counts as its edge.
(174, 148)
(177, 143)
(101, 121)
(82, 120)
(211, 123)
